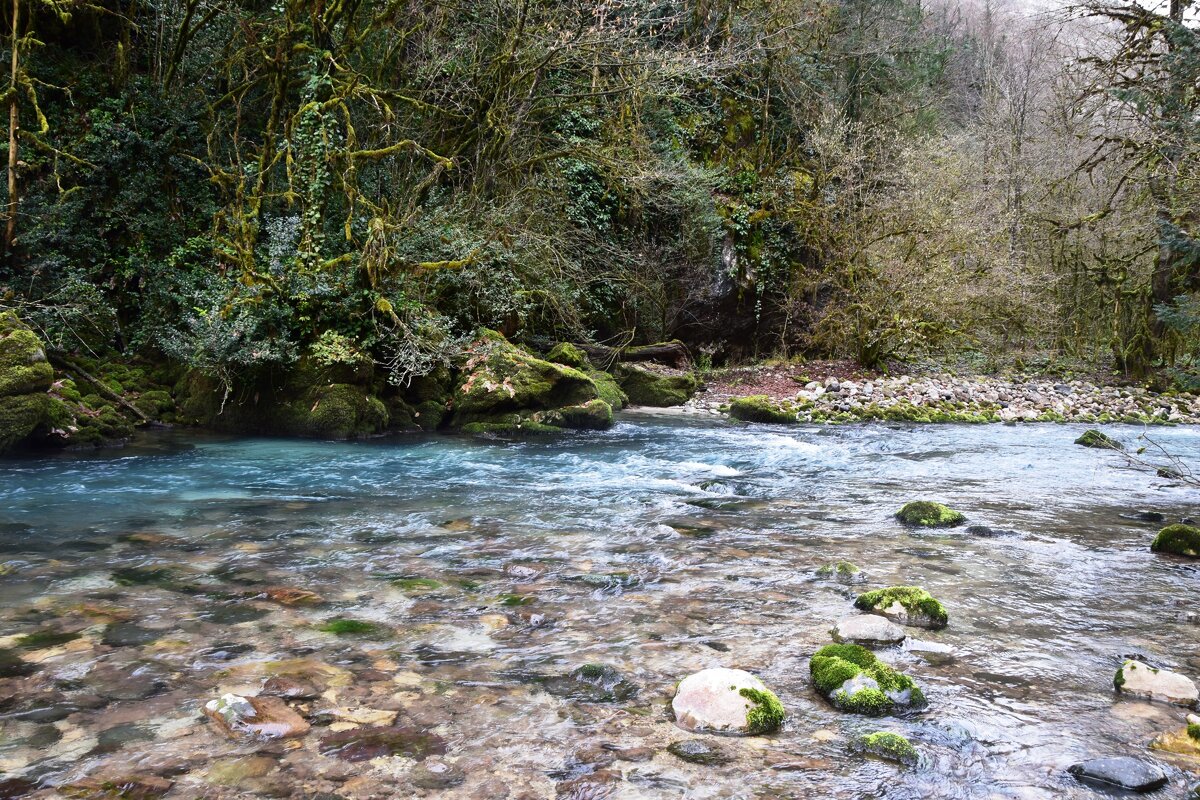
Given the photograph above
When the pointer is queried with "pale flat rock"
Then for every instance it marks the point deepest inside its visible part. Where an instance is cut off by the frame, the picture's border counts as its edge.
(868, 629)
(713, 700)
(1142, 680)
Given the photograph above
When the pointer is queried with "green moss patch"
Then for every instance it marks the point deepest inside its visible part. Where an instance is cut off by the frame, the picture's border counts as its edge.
(1181, 540)
(761, 408)
(1094, 438)
(928, 514)
(767, 713)
(648, 387)
(922, 608)
(833, 665)
(39, 640)
(889, 746)
(350, 627)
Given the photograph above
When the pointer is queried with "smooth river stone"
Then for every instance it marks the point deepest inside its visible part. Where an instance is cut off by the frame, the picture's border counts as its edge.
(868, 629)
(711, 700)
(1124, 772)
(262, 717)
(1142, 680)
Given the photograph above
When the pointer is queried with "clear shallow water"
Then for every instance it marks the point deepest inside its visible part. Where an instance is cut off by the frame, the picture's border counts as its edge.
(659, 548)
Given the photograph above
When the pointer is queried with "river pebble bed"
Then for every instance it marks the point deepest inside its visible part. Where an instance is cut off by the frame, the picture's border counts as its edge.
(417, 611)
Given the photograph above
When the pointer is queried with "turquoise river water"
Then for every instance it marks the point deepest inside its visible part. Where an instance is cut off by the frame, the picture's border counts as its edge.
(137, 584)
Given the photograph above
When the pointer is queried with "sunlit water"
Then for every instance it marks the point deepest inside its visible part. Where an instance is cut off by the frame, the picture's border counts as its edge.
(659, 547)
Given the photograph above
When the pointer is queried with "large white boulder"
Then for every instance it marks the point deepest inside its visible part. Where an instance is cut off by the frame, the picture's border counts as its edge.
(722, 700)
(1143, 680)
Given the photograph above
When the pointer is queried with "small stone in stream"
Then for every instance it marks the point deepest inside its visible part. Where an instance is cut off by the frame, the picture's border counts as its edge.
(592, 683)
(113, 739)
(363, 744)
(725, 700)
(852, 679)
(905, 605)
(842, 572)
(1094, 438)
(720, 647)
(436, 774)
(126, 787)
(43, 639)
(13, 666)
(699, 751)
(635, 754)
(889, 746)
(234, 772)
(255, 717)
(1123, 772)
(986, 532)
(1183, 741)
(128, 634)
(594, 786)
(226, 651)
(11, 788)
(232, 613)
(290, 688)
(161, 577)
(1180, 540)
(927, 514)
(1141, 680)
(291, 596)
(868, 629)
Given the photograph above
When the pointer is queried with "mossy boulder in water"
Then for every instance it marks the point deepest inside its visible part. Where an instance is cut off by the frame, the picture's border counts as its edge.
(927, 514)
(852, 679)
(761, 408)
(842, 572)
(1094, 438)
(502, 389)
(25, 379)
(888, 746)
(655, 386)
(721, 700)
(1181, 540)
(905, 605)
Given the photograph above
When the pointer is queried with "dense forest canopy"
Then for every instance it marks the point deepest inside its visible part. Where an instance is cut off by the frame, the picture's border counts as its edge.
(236, 184)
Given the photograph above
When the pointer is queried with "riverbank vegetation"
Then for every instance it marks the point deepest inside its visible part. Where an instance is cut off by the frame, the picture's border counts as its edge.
(232, 189)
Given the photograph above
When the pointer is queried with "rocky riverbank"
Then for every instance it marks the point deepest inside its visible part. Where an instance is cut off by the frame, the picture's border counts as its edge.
(780, 395)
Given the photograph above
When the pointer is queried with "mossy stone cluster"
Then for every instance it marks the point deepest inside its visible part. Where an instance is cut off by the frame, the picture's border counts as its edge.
(920, 607)
(889, 746)
(928, 514)
(1094, 438)
(838, 672)
(844, 571)
(761, 408)
(646, 386)
(1180, 540)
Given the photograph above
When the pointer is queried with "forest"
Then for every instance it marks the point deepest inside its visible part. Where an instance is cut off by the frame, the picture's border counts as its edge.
(232, 187)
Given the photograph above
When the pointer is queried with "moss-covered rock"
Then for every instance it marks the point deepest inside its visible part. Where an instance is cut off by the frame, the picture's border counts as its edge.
(655, 386)
(888, 746)
(503, 389)
(608, 389)
(23, 365)
(1094, 438)
(569, 355)
(1181, 540)
(25, 378)
(927, 514)
(842, 571)
(853, 679)
(906, 605)
(305, 402)
(761, 408)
